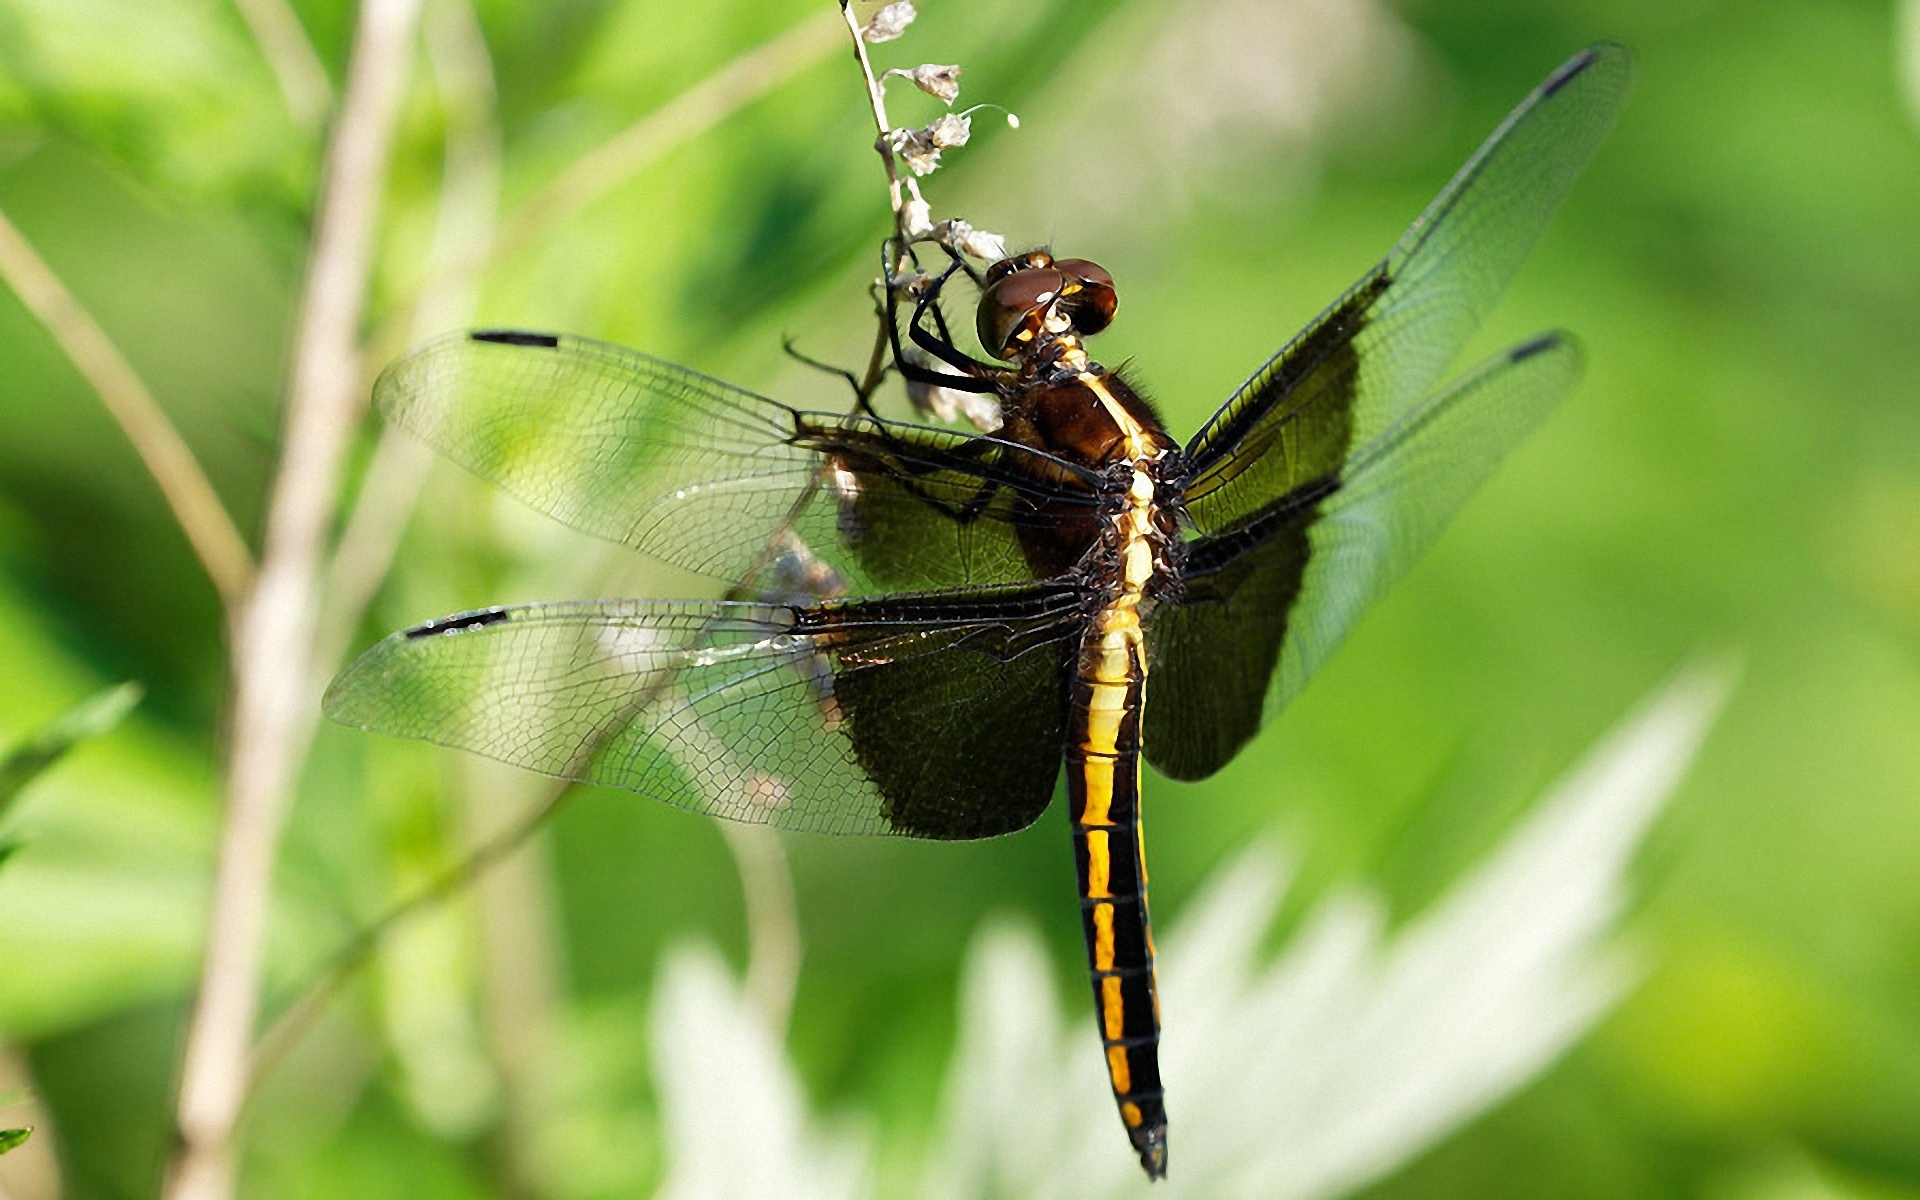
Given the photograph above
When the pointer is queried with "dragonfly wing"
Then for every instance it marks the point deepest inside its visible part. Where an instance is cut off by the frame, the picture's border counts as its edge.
(705, 475)
(933, 716)
(1265, 602)
(1379, 351)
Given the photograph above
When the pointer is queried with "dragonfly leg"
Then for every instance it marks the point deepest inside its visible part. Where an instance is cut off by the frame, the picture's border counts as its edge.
(793, 352)
(974, 376)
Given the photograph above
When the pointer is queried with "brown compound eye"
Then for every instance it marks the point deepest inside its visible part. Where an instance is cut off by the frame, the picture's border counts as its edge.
(1017, 262)
(1016, 304)
(1090, 297)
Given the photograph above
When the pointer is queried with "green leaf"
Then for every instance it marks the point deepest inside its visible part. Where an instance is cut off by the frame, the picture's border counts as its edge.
(11, 1138)
(90, 718)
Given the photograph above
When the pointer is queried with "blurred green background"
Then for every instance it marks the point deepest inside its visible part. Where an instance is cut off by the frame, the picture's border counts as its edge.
(1741, 470)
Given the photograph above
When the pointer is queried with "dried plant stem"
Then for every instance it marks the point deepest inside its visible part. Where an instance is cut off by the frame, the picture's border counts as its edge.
(380, 512)
(877, 98)
(274, 676)
(463, 230)
(773, 921)
(188, 492)
(283, 42)
(686, 116)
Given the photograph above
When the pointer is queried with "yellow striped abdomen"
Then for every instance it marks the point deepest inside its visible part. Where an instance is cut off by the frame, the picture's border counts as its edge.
(1103, 784)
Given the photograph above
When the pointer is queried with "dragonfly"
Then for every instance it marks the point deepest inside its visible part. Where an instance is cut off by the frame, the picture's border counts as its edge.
(930, 626)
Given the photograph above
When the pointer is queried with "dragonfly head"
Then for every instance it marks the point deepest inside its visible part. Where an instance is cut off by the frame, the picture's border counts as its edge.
(1033, 298)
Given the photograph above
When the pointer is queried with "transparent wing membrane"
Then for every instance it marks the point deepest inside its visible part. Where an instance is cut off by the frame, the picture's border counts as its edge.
(1269, 599)
(935, 716)
(703, 475)
(1380, 350)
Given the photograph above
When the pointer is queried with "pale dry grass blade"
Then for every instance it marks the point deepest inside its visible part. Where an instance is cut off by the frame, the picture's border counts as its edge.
(773, 919)
(686, 116)
(283, 42)
(274, 686)
(463, 232)
(189, 494)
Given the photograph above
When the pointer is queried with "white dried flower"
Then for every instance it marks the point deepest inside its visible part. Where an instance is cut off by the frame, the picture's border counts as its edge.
(981, 411)
(939, 81)
(916, 219)
(951, 130)
(917, 147)
(977, 243)
(890, 22)
(921, 147)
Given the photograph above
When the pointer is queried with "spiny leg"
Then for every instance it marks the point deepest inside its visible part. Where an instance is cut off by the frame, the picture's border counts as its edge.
(861, 401)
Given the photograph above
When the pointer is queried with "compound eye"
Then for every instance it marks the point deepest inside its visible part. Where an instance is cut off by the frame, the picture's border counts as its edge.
(1014, 305)
(1017, 262)
(1090, 300)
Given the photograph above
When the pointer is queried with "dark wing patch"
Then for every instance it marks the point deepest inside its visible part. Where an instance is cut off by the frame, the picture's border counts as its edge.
(704, 475)
(934, 716)
(1266, 601)
(962, 738)
(1568, 71)
(1380, 350)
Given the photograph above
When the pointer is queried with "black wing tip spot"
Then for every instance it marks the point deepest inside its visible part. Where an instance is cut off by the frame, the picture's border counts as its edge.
(1570, 70)
(1540, 345)
(457, 622)
(1616, 53)
(516, 337)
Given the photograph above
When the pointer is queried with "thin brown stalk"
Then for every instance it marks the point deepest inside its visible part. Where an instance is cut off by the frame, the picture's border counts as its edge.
(379, 515)
(283, 42)
(188, 492)
(637, 147)
(273, 662)
(877, 100)
(686, 116)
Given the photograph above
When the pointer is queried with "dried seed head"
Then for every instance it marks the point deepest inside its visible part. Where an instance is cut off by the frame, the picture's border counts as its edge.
(916, 219)
(982, 412)
(940, 82)
(918, 148)
(951, 130)
(797, 575)
(976, 243)
(889, 23)
(921, 147)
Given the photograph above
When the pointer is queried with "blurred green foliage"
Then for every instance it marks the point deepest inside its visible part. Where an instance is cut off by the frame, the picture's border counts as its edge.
(1742, 468)
(92, 717)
